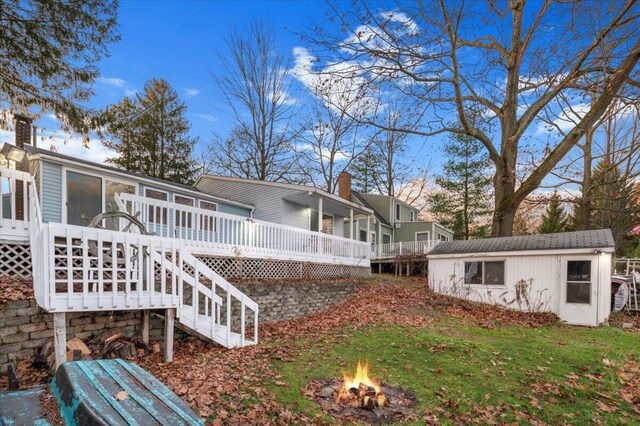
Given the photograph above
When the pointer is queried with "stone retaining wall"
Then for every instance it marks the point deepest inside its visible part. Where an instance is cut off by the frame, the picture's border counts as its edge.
(281, 301)
(24, 327)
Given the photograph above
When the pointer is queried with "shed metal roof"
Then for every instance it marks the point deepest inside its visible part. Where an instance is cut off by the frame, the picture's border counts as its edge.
(595, 239)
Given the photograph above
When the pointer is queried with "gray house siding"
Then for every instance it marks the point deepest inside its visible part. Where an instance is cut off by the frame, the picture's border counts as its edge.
(407, 231)
(380, 203)
(51, 192)
(268, 201)
(294, 214)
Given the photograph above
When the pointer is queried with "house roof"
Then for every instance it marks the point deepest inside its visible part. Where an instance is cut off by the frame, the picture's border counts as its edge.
(365, 203)
(596, 239)
(32, 150)
(294, 187)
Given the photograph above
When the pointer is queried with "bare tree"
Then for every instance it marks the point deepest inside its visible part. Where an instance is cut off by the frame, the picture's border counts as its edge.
(333, 137)
(390, 144)
(254, 83)
(496, 67)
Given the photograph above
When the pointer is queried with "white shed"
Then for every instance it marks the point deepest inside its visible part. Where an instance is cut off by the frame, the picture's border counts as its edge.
(567, 273)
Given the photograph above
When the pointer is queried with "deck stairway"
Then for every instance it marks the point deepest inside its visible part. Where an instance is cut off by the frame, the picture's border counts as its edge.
(78, 269)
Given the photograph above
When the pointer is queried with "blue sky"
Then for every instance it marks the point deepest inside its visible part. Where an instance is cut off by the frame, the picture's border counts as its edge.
(178, 41)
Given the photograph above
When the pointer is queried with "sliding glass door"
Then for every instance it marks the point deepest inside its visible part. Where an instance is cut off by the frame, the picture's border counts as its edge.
(84, 198)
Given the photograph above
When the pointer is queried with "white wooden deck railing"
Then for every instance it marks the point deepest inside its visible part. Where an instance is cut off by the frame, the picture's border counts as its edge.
(15, 187)
(89, 269)
(410, 248)
(78, 268)
(215, 233)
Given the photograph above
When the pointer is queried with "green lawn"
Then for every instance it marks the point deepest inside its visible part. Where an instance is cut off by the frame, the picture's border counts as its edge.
(556, 374)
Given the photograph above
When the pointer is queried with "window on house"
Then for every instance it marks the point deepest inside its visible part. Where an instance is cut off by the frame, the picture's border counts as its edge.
(412, 216)
(484, 272)
(327, 222)
(422, 236)
(373, 239)
(579, 281)
(443, 238)
(363, 235)
(84, 198)
(208, 223)
(386, 239)
(398, 211)
(157, 214)
(183, 218)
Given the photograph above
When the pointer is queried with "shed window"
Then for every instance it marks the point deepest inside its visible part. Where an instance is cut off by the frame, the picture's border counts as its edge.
(579, 281)
(484, 272)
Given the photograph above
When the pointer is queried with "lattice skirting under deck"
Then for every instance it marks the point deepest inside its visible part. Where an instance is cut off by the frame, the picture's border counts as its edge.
(15, 260)
(230, 267)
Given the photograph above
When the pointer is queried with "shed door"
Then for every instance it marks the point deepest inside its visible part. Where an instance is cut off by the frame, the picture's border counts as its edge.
(578, 290)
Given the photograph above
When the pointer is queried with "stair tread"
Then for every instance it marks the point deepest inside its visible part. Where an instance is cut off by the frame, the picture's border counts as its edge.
(204, 328)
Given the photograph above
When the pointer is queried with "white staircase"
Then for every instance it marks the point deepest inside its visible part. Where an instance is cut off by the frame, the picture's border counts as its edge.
(78, 269)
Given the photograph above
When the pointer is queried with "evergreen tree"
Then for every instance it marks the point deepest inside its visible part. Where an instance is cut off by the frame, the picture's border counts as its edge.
(465, 186)
(365, 171)
(555, 217)
(150, 134)
(613, 203)
(48, 56)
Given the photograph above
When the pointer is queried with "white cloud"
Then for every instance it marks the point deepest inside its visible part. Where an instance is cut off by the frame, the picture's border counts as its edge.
(190, 92)
(72, 145)
(341, 86)
(565, 120)
(207, 117)
(130, 92)
(111, 81)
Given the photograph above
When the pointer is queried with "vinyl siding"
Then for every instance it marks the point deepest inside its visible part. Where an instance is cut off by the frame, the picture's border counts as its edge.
(380, 203)
(51, 198)
(541, 273)
(267, 200)
(407, 231)
(296, 215)
(52, 181)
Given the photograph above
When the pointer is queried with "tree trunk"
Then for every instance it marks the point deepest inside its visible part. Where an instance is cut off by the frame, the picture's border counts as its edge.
(506, 206)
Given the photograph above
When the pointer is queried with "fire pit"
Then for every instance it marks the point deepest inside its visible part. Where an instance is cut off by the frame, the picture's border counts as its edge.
(361, 398)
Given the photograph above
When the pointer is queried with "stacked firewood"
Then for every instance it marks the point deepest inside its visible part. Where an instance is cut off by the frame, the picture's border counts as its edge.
(111, 344)
(363, 396)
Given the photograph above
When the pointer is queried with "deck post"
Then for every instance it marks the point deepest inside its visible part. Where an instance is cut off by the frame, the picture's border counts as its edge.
(145, 326)
(169, 316)
(60, 338)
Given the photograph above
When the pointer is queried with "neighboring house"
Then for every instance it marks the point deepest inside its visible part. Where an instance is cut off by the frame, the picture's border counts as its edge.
(300, 206)
(394, 229)
(568, 273)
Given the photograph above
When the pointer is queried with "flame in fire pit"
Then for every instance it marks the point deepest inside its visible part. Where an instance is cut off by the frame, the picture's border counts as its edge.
(360, 389)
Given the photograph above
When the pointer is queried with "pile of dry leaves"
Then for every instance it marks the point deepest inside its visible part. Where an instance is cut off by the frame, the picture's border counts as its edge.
(15, 289)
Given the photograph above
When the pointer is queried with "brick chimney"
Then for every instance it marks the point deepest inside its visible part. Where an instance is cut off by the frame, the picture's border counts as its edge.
(23, 136)
(344, 185)
(23, 130)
